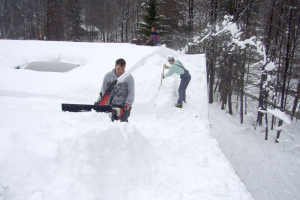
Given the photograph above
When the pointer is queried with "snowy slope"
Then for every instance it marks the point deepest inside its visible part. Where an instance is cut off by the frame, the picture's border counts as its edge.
(162, 153)
(270, 170)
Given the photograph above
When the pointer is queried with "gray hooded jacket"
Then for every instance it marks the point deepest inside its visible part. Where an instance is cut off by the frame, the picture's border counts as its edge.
(124, 94)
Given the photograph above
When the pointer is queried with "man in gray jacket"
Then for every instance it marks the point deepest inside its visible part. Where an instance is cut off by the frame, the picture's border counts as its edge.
(123, 95)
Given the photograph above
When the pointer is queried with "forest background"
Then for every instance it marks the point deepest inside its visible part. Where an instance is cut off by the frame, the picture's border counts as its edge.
(251, 46)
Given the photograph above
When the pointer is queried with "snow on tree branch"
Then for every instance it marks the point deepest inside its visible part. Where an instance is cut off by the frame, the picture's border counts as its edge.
(279, 114)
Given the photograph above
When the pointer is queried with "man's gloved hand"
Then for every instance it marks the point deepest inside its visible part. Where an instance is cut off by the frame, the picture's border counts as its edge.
(96, 103)
(166, 67)
(126, 107)
(162, 75)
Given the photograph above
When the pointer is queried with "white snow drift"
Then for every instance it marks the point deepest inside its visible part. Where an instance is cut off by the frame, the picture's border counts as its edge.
(162, 153)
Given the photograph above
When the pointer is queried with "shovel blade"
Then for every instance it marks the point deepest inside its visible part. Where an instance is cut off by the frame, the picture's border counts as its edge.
(85, 108)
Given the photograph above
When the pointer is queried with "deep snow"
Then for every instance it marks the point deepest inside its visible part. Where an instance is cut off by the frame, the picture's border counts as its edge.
(162, 153)
(269, 170)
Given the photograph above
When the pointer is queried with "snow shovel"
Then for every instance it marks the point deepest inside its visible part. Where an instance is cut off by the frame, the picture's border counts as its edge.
(161, 79)
(85, 107)
(104, 105)
(164, 67)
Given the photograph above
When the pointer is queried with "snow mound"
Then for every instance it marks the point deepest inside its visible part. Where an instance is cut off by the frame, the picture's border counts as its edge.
(93, 160)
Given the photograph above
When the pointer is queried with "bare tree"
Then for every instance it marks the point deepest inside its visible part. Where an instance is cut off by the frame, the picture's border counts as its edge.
(211, 50)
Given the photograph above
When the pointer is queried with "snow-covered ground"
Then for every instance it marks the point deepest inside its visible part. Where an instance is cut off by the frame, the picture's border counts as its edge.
(162, 153)
(269, 170)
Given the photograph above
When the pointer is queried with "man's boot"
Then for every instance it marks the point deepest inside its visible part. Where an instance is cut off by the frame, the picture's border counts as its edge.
(178, 105)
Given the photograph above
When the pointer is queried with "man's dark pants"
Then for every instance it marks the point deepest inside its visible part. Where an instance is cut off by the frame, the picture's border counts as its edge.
(125, 115)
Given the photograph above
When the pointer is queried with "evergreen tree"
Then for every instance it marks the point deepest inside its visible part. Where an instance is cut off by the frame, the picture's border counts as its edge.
(150, 18)
(174, 17)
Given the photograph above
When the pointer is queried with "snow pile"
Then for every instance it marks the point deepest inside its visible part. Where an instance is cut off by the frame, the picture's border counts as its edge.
(62, 156)
(162, 153)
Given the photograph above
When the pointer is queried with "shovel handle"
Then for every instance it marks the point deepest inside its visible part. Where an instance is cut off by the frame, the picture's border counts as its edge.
(161, 78)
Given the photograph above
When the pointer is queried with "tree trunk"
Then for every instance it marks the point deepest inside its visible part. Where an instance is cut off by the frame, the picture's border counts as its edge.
(48, 19)
(191, 19)
(287, 62)
(242, 90)
(247, 79)
(212, 51)
(262, 97)
(229, 85)
(267, 130)
(270, 26)
(296, 100)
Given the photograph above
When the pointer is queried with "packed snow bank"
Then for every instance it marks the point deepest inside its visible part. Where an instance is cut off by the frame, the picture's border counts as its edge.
(162, 153)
